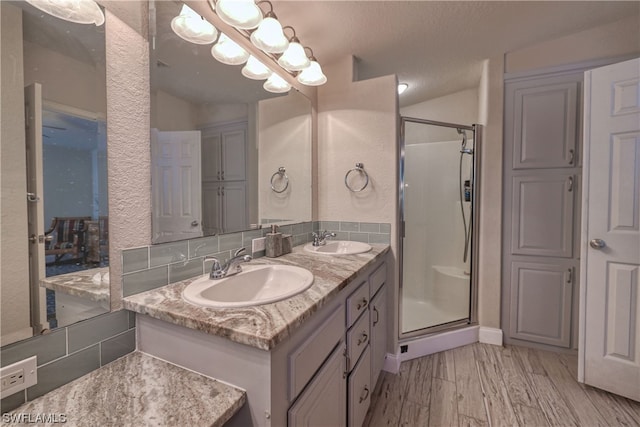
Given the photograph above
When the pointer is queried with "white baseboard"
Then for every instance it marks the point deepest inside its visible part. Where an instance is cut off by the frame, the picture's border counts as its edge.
(436, 343)
(490, 336)
(391, 363)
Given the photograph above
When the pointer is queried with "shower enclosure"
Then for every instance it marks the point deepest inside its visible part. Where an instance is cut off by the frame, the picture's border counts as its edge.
(438, 209)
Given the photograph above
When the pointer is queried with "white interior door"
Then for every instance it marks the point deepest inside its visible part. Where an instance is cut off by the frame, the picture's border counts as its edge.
(177, 185)
(35, 204)
(610, 321)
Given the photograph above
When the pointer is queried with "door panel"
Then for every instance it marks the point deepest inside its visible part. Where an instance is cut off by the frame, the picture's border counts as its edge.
(541, 302)
(545, 125)
(233, 155)
(542, 215)
(610, 352)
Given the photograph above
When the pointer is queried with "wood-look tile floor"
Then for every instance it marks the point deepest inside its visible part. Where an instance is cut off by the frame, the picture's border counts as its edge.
(485, 385)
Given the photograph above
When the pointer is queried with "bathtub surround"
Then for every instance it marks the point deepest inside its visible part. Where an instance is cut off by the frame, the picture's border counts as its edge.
(69, 353)
(151, 267)
(138, 389)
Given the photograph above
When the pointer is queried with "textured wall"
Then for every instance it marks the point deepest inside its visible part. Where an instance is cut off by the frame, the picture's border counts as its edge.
(358, 122)
(129, 153)
(14, 252)
(606, 41)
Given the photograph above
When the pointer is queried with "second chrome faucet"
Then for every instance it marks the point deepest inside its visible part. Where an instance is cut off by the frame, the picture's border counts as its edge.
(230, 267)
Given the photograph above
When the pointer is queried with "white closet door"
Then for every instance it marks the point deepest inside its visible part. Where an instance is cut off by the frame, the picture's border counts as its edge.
(610, 347)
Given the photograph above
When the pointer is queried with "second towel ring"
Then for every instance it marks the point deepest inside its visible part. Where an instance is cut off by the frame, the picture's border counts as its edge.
(359, 168)
(280, 172)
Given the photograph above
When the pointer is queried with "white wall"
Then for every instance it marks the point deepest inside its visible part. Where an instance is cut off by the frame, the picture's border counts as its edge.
(171, 113)
(459, 107)
(284, 140)
(358, 122)
(14, 252)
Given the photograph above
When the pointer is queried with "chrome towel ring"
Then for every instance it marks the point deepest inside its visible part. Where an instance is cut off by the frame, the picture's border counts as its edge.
(283, 177)
(360, 169)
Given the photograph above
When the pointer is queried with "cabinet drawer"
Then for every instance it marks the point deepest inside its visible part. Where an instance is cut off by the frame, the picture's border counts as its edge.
(357, 303)
(357, 339)
(305, 360)
(360, 390)
(377, 279)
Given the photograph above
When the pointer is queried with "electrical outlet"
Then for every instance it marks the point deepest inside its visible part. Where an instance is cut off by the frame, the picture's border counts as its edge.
(18, 376)
(258, 244)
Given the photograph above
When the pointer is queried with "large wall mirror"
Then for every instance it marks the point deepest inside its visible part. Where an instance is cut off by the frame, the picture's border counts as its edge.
(54, 225)
(226, 154)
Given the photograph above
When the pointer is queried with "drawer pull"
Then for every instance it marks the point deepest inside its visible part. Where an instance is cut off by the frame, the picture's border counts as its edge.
(365, 394)
(362, 304)
(363, 338)
(375, 310)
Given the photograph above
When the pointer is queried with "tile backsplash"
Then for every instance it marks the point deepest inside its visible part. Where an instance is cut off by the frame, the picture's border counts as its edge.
(158, 265)
(71, 352)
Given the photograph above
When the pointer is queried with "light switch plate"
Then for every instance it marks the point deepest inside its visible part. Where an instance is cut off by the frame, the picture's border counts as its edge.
(19, 376)
(258, 244)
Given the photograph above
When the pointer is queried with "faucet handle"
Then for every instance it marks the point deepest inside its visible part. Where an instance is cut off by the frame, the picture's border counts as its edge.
(238, 252)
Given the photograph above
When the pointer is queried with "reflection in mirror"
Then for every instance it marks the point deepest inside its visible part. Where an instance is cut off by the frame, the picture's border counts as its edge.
(219, 141)
(54, 253)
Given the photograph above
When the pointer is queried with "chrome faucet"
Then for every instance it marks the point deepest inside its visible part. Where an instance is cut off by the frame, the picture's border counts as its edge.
(229, 268)
(320, 238)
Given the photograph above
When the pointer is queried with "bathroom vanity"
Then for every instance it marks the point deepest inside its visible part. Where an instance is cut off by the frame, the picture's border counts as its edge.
(310, 359)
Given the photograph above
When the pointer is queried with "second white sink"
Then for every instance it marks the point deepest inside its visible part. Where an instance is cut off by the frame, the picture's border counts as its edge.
(255, 285)
(339, 247)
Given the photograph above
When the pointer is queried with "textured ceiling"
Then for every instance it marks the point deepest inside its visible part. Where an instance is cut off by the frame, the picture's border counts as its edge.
(436, 46)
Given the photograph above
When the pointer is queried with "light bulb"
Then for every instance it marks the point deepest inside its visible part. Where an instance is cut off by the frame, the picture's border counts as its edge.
(269, 35)
(78, 11)
(294, 58)
(242, 14)
(402, 87)
(256, 70)
(312, 75)
(276, 84)
(229, 52)
(192, 27)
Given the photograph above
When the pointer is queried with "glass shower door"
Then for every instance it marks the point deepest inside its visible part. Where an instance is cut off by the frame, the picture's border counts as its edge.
(437, 177)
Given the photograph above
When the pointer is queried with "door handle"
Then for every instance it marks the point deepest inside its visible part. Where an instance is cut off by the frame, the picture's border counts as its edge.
(597, 244)
(32, 197)
(570, 183)
(571, 156)
(194, 223)
(365, 394)
(363, 339)
(375, 310)
(570, 275)
(40, 239)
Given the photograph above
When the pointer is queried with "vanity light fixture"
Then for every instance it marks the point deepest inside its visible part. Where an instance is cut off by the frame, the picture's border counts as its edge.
(256, 70)
(276, 84)
(78, 11)
(294, 58)
(229, 52)
(242, 14)
(312, 75)
(192, 27)
(269, 36)
(402, 87)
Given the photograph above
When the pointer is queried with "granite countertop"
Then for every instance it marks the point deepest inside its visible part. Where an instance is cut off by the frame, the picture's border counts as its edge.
(81, 284)
(263, 326)
(138, 390)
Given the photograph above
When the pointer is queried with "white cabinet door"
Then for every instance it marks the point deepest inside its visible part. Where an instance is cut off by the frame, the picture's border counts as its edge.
(211, 208)
(234, 206)
(610, 345)
(542, 214)
(360, 389)
(542, 120)
(541, 302)
(324, 401)
(378, 309)
(211, 158)
(233, 144)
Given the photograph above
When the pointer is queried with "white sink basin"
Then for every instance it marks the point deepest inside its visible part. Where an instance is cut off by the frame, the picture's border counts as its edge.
(255, 285)
(338, 247)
